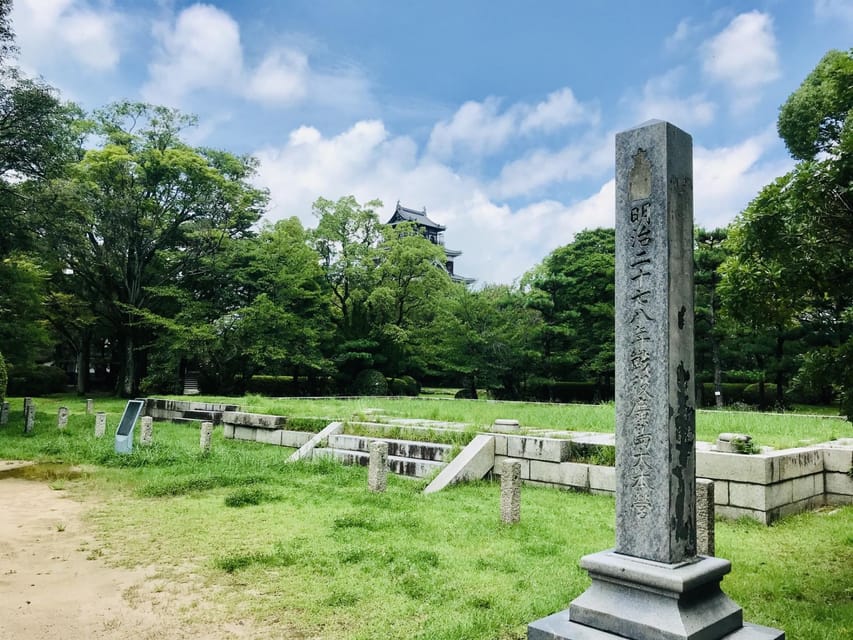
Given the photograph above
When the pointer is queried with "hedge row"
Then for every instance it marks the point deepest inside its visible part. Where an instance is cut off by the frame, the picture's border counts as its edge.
(35, 381)
(569, 391)
(367, 383)
(279, 386)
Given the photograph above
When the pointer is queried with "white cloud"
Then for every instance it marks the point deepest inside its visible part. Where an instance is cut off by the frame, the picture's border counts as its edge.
(49, 31)
(682, 34)
(542, 167)
(281, 78)
(481, 128)
(726, 179)
(660, 99)
(559, 109)
(743, 57)
(830, 10)
(476, 127)
(200, 51)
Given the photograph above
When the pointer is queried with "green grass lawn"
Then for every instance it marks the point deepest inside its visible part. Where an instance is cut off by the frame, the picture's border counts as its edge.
(307, 551)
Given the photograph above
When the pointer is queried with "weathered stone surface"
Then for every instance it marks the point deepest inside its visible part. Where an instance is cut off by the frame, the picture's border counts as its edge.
(29, 415)
(257, 420)
(525, 466)
(838, 484)
(704, 517)
(4, 413)
(655, 404)
(795, 463)
(377, 470)
(505, 425)
(100, 424)
(90, 406)
(244, 433)
(472, 463)
(399, 448)
(510, 491)
(569, 474)
(602, 479)
(714, 465)
(228, 431)
(205, 436)
(146, 435)
(733, 442)
(295, 439)
(837, 459)
(62, 418)
(269, 436)
(531, 448)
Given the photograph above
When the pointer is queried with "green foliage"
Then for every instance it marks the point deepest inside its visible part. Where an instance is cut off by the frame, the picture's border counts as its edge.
(403, 386)
(370, 382)
(282, 386)
(35, 380)
(249, 496)
(4, 378)
(563, 391)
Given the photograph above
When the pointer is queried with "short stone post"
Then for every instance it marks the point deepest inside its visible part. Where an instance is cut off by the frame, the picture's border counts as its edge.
(147, 435)
(100, 424)
(511, 491)
(377, 471)
(704, 517)
(206, 435)
(4, 413)
(62, 418)
(90, 406)
(29, 415)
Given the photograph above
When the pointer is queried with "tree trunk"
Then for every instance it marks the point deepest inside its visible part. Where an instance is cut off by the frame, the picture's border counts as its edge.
(780, 374)
(128, 386)
(83, 363)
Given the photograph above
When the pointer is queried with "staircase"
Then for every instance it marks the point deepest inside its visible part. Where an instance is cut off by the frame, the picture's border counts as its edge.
(191, 383)
(405, 457)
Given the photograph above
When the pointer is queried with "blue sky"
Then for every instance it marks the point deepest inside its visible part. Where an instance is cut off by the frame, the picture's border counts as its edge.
(498, 117)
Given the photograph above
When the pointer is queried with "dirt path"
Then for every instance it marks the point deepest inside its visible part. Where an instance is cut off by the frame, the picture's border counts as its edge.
(53, 583)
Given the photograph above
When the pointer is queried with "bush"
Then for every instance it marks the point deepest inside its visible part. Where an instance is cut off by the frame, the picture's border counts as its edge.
(569, 391)
(732, 393)
(752, 394)
(35, 381)
(465, 394)
(404, 386)
(370, 382)
(3, 378)
(279, 386)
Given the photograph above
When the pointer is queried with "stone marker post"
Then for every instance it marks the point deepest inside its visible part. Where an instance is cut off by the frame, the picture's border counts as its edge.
(90, 406)
(206, 435)
(100, 424)
(653, 585)
(147, 435)
(377, 470)
(29, 415)
(4, 413)
(511, 491)
(62, 418)
(704, 517)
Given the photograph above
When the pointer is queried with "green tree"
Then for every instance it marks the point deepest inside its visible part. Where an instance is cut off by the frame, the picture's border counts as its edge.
(708, 256)
(143, 210)
(790, 267)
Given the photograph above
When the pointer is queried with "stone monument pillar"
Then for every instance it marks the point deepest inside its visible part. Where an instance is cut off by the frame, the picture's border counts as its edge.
(90, 406)
(100, 424)
(206, 436)
(4, 413)
(653, 586)
(29, 415)
(704, 517)
(511, 491)
(62, 418)
(147, 435)
(377, 469)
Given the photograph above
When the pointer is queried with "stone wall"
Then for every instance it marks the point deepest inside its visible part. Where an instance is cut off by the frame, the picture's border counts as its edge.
(259, 427)
(162, 410)
(764, 486)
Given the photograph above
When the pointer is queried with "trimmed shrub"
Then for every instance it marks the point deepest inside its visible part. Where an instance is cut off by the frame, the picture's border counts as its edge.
(752, 394)
(3, 378)
(404, 386)
(370, 382)
(278, 386)
(35, 381)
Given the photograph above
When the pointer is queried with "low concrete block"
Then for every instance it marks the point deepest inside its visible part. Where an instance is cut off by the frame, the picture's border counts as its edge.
(257, 420)
(804, 487)
(546, 449)
(602, 479)
(472, 463)
(837, 459)
(500, 445)
(734, 513)
(569, 474)
(721, 491)
(795, 463)
(738, 467)
(244, 433)
(267, 436)
(228, 430)
(838, 483)
(295, 439)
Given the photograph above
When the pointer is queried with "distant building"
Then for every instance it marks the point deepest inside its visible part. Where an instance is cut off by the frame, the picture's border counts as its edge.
(433, 232)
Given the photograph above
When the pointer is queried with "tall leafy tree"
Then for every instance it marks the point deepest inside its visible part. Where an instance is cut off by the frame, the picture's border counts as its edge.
(708, 257)
(144, 209)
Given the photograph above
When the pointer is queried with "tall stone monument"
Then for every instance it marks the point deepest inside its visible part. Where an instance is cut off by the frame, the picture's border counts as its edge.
(653, 585)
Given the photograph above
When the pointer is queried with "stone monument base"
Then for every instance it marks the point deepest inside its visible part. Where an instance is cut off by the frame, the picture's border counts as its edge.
(645, 600)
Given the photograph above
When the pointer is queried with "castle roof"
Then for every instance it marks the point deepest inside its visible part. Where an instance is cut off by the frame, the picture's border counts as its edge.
(411, 215)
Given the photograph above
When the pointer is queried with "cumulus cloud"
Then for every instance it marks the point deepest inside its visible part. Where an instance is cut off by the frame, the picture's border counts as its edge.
(662, 99)
(830, 10)
(726, 179)
(482, 128)
(743, 57)
(201, 49)
(48, 31)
